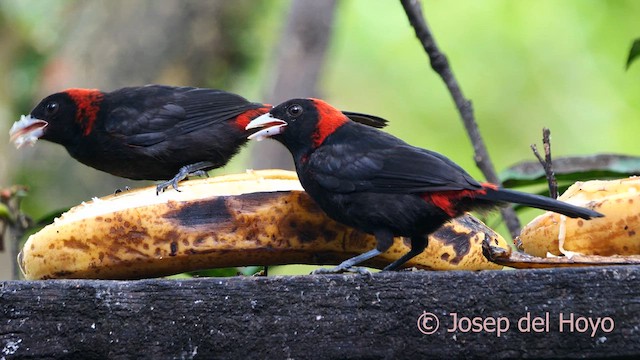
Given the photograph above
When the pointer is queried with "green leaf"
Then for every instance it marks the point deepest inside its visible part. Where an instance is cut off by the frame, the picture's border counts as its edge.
(250, 270)
(222, 272)
(634, 52)
(4, 212)
(571, 169)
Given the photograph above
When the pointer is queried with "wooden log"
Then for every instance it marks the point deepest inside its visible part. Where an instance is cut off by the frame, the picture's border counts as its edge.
(328, 316)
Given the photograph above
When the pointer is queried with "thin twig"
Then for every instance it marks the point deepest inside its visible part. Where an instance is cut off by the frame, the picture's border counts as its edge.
(440, 64)
(546, 163)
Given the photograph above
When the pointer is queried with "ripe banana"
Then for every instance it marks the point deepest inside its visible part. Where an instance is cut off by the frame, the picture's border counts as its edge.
(618, 233)
(257, 218)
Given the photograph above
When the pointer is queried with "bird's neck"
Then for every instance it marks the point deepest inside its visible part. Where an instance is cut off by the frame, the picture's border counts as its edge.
(301, 157)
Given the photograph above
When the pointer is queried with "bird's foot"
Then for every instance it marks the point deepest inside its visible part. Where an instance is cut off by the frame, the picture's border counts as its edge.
(173, 183)
(197, 169)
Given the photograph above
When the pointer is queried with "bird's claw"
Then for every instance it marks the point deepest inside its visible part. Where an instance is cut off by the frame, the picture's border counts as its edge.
(165, 185)
(118, 191)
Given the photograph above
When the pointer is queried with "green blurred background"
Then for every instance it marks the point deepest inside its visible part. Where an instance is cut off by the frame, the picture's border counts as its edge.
(524, 64)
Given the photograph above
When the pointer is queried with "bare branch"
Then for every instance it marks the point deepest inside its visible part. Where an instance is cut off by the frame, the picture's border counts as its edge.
(546, 163)
(440, 64)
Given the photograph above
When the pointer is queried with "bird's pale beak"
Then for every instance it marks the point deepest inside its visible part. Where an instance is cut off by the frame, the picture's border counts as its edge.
(27, 130)
(271, 126)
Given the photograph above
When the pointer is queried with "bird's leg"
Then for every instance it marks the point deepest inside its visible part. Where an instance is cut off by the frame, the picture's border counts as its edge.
(197, 169)
(384, 240)
(418, 244)
(349, 264)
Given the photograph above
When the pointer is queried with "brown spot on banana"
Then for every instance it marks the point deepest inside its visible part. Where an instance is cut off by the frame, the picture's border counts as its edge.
(258, 218)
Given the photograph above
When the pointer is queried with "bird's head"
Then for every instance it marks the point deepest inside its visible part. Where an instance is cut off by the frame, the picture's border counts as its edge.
(58, 118)
(304, 124)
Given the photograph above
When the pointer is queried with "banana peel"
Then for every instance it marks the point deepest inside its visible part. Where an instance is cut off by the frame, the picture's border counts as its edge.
(553, 240)
(256, 218)
(615, 234)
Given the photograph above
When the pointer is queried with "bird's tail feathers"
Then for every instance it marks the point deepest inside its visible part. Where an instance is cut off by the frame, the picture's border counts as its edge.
(540, 202)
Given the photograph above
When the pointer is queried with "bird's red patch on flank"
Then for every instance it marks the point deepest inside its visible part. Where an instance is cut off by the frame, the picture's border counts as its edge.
(329, 120)
(245, 118)
(88, 105)
(447, 200)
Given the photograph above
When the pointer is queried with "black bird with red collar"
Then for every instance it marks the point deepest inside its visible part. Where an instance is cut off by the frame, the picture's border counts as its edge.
(153, 132)
(377, 183)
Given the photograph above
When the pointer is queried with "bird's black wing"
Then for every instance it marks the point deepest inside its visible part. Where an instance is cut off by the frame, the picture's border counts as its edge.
(412, 169)
(385, 166)
(150, 117)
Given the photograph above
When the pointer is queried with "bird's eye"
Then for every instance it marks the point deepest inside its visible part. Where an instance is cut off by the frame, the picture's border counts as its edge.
(51, 108)
(294, 110)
